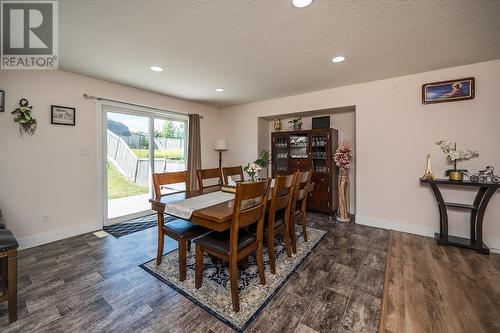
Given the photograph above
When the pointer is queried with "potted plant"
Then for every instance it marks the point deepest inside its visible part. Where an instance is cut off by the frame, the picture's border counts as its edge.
(296, 123)
(453, 155)
(23, 116)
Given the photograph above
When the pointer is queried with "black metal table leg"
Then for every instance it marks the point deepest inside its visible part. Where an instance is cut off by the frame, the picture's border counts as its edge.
(443, 214)
(473, 215)
(479, 220)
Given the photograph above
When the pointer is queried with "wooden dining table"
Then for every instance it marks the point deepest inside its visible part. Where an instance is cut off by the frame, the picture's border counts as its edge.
(216, 217)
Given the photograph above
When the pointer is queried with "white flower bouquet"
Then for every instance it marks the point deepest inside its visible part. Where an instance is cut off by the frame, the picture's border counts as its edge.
(453, 155)
(253, 170)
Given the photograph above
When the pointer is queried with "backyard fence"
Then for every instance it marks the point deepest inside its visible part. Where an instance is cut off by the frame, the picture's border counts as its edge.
(133, 168)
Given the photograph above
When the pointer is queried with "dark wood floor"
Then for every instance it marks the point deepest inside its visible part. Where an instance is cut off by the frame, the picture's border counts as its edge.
(89, 284)
(440, 289)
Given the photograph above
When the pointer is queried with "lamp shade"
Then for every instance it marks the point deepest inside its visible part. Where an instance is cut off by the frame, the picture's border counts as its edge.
(220, 144)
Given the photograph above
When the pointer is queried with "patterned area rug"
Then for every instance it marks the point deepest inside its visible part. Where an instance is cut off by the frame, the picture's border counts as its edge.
(215, 295)
(135, 225)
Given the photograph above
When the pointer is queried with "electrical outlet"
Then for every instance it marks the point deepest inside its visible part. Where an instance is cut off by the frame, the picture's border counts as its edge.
(84, 152)
(45, 219)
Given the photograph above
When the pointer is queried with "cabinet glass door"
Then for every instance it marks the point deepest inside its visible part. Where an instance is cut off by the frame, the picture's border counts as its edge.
(298, 146)
(281, 152)
(319, 153)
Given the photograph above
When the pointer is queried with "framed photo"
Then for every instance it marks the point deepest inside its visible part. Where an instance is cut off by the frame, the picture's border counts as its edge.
(62, 115)
(448, 91)
(2, 100)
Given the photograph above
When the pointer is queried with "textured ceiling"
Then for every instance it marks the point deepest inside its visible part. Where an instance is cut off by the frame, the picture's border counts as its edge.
(260, 49)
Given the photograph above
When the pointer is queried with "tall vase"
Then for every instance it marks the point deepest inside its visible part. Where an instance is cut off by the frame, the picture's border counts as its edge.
(343, 197)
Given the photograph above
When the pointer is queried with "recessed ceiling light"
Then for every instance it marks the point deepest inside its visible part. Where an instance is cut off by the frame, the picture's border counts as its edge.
(156, 68)
(338, 59)
(301, 3)
(219, 89)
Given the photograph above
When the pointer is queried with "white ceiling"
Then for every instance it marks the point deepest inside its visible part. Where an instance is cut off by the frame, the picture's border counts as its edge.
(260, 49)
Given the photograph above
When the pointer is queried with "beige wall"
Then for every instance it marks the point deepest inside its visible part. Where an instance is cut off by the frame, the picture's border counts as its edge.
(44, 174)
(394, 132)
(344, 121)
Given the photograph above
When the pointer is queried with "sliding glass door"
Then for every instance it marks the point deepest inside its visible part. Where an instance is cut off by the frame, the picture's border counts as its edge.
(138, 143)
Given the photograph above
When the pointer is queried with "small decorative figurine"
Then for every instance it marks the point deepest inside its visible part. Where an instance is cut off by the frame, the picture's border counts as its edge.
(277, 124)
(488, 174)
(428, 173)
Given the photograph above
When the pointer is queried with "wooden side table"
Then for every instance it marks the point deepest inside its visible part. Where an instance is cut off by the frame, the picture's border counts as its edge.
(478, 207)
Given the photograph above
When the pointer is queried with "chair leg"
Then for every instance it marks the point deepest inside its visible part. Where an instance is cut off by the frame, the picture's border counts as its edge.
(260, 264)
(182, 259)
(304, 228)
(161, 240)
(270, 251)
(233, 277)
(293, 239)
(286, 235)
(198, 276)
(12, 285)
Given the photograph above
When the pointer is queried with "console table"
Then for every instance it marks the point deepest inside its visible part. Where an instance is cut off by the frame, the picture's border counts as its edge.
(478, 207)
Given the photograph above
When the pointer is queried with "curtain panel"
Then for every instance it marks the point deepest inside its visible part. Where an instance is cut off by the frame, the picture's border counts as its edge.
(194, 149)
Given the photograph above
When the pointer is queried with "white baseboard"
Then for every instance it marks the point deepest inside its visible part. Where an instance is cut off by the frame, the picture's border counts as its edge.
(492, 243)
(52, 236)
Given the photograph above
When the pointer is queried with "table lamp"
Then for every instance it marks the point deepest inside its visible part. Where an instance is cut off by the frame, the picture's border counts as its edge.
(220, 145)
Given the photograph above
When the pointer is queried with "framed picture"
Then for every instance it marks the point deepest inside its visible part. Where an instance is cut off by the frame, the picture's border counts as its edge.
(448, 91)
(2, 100)
(62, 115)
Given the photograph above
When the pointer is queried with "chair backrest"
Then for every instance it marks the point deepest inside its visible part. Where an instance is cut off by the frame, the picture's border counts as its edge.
(171, 178)
(282, 194)
(209, 174)
(249, 208)
(303, 180)
(232, 171)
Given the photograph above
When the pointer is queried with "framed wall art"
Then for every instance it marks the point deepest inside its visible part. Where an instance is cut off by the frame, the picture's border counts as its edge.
(2, 100)
(62, 115)
(448, 91)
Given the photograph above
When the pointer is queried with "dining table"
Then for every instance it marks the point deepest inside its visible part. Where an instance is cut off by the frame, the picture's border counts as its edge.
(215, 217)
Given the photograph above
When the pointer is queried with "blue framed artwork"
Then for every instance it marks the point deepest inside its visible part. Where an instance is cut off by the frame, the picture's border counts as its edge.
(448, 91)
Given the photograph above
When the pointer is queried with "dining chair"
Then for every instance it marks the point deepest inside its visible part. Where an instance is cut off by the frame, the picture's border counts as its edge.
(210, 175)
(232, 171)
(279, 215)
(237, 243)
(181, 230)
(299, 205)
(8, 272)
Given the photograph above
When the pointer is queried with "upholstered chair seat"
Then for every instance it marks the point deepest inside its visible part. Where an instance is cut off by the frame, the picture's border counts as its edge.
(219, 241)
(7, 240)
(183, 229)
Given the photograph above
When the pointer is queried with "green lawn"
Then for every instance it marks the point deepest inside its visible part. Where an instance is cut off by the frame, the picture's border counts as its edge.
(119, 186)
(172, 154)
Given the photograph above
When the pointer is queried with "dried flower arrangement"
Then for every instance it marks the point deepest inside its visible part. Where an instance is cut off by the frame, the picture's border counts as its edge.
(342, 158)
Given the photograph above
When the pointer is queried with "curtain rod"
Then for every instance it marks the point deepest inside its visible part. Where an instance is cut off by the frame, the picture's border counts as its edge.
(87, 96)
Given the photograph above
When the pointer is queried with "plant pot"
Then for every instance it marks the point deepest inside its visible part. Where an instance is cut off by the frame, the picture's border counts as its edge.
(456, 176)
(297, 127)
